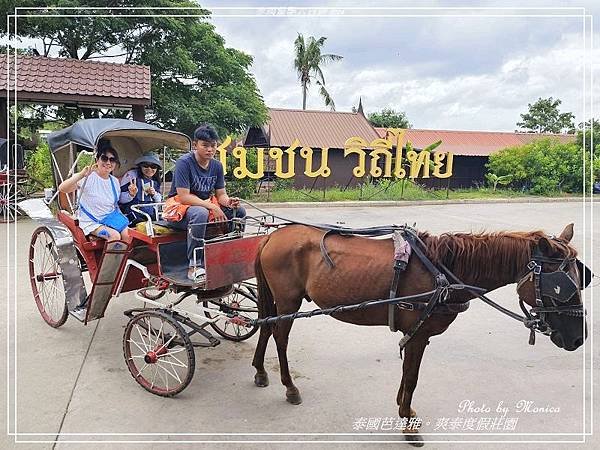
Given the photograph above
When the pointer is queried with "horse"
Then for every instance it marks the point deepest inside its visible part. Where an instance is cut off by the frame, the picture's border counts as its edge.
(291, 265)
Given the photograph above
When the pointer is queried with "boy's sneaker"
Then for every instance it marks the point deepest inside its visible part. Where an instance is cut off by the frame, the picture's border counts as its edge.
(197, 275)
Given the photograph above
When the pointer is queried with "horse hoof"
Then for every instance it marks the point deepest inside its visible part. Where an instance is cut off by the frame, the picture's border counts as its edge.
(414, 439)
(294, 398)
(261, 379)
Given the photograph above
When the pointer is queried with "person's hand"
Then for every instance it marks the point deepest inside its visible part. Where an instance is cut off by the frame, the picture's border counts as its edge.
(86, 171)
(151, 191)
(234, 202)
(132, 187)
(219, 214)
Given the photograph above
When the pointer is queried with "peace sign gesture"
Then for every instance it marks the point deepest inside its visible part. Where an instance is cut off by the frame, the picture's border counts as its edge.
(132, 187)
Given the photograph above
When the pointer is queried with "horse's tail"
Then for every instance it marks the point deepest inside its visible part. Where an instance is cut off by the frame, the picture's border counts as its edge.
(266, 303)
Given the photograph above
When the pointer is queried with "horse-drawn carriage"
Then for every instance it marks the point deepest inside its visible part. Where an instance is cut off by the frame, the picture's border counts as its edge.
(158, 341)
(353, 278)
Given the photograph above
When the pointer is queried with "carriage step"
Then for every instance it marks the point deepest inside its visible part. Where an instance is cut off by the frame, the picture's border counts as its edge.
(79, 313)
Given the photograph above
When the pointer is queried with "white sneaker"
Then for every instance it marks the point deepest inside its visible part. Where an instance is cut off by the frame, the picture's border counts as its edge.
(198, 275)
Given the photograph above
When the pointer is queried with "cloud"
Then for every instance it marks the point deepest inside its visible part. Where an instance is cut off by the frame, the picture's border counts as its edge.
(454, 73)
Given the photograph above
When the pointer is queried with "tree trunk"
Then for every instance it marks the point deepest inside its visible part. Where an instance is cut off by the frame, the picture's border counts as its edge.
(304, 95)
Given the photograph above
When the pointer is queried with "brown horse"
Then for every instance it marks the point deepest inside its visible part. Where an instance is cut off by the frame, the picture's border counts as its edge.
(290, 266)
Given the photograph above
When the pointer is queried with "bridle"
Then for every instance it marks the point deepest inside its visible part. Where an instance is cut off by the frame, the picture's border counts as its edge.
(553, 291)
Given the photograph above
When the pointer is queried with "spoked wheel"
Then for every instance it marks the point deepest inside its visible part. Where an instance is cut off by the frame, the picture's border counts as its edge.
(240, 305)
(158, 353)
(9, 210)
(46, 278)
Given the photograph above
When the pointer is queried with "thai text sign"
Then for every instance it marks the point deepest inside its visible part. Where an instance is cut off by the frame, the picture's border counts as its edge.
(382, 162)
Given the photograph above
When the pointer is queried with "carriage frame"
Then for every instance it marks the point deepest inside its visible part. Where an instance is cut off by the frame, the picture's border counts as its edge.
(159, 339)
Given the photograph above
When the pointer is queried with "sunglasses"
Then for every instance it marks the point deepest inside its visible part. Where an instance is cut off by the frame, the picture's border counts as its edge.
(149, 166)
(110, 159)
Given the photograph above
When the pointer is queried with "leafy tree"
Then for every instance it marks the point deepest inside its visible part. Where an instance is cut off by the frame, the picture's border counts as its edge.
(195, 77)
(544, 166)
(591, 134)
(544, 117)
(389, 118)
(308, 62)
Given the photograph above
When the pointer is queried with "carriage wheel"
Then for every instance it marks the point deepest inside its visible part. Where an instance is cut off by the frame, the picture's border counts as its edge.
(158, 353)
(8, 206)
(241, 304)
(46, 278)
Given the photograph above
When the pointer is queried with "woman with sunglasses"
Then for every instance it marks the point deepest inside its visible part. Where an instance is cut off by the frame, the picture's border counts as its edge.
(141, 185)
(98, 211)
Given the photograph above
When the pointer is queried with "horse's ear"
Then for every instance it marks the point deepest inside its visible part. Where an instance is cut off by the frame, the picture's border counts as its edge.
(545, 246)
(567, 234)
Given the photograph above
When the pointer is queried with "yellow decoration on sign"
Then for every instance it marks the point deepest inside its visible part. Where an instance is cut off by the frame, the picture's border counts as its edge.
(323, 170)
(381, 147)
(356, 145)
(277, 154)
(419, 162)
(242, 171)
(438, 159)
(222, 149)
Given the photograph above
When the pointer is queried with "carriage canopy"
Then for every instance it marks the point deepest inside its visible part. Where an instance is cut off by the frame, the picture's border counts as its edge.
(129, 138)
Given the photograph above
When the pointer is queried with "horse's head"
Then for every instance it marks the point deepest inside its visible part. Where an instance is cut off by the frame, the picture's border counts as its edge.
(552, 286)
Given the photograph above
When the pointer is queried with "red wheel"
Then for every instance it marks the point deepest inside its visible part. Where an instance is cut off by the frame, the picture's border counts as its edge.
(46, 278)
(158, 353)
(240, 306)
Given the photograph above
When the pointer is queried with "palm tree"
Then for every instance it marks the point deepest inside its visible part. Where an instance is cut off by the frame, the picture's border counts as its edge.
(307, 63)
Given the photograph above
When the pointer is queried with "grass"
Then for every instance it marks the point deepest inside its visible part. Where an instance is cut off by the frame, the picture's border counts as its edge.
(388, 191)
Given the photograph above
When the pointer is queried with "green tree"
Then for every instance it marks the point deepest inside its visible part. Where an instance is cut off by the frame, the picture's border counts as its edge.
(195, 77)
(544, 117)
(545, 166)
(591, 135)
(308, 62)
(389, 118)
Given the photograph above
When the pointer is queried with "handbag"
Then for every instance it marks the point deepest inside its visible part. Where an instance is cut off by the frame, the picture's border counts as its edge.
(115, 220)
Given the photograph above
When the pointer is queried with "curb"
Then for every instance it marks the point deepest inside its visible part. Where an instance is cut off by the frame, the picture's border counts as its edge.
(404, 203)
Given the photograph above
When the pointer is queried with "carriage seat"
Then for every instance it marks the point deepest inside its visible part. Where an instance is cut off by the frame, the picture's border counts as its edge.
(87, 242)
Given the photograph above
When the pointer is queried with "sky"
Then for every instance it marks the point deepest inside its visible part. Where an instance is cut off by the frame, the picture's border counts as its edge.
(445, 68)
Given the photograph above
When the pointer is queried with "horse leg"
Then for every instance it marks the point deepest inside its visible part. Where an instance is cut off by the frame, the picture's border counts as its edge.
(281, 334)
(261, 378)
(413, 354)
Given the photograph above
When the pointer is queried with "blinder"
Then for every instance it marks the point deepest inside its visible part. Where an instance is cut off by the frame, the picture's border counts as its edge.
(585, 274)
(557, 285)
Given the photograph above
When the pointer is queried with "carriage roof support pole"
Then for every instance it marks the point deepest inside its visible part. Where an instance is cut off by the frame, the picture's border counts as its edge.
(57, 171)
(164, 172)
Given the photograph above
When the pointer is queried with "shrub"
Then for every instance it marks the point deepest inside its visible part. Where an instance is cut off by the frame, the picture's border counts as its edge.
(38, 166)
(543, 167)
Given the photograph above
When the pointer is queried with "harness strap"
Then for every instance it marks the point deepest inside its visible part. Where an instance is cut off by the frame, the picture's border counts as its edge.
(402, 252)
(324, 252)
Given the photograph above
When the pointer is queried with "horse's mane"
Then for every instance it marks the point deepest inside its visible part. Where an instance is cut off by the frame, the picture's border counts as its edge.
(482, 255)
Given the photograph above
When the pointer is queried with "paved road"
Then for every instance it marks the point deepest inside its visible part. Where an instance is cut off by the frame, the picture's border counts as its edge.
(73, 380)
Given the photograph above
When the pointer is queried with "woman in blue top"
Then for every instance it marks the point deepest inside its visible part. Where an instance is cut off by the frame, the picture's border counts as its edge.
(141, 185)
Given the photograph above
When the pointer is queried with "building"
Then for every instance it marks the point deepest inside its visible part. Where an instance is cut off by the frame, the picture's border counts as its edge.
(318, 130)
(471, 150)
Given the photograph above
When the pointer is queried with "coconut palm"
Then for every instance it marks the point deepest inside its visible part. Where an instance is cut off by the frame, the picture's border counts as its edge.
(307, 63)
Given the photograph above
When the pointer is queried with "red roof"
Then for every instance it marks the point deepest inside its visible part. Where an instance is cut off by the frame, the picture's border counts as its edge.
(474, 143)
(317, 129)
(64, 77)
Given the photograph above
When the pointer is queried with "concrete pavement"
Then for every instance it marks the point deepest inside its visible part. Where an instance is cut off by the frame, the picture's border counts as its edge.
(73, 382)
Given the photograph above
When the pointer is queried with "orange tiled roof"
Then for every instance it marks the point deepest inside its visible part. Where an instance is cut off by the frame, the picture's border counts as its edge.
(62, 76)
(473, 143)
(316, 129)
